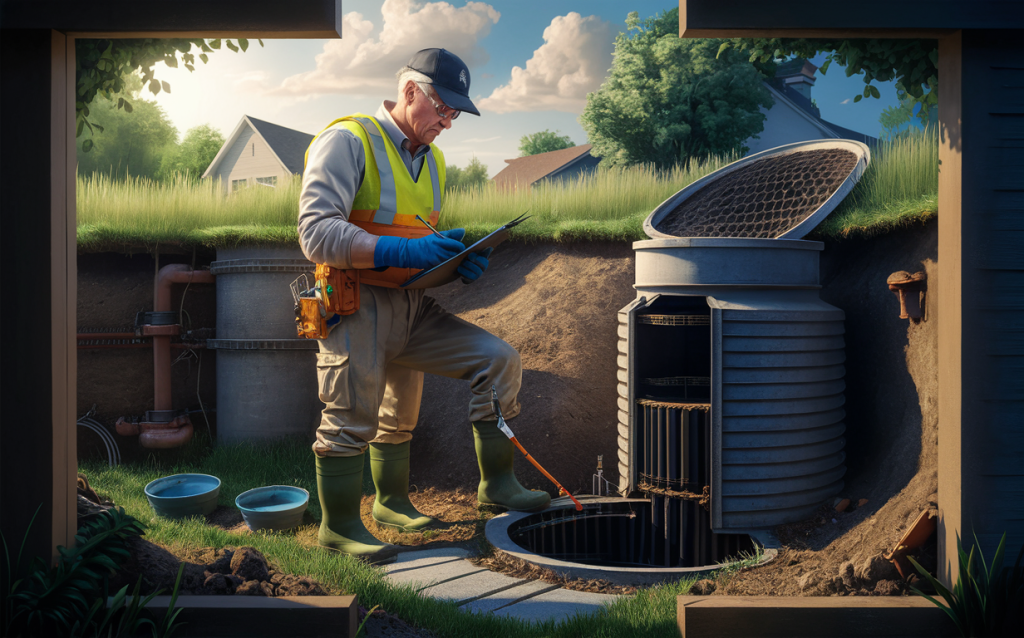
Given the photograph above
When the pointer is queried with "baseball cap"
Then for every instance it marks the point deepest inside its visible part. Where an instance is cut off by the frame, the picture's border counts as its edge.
(449, 76)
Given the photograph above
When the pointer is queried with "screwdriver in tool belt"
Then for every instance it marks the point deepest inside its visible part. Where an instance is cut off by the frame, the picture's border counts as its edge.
(496, 406)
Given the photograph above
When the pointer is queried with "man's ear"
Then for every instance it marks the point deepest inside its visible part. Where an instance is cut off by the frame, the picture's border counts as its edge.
(410, 91)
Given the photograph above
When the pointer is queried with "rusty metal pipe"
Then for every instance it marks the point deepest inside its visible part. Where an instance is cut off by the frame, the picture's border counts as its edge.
(164, 439)
(169, 274)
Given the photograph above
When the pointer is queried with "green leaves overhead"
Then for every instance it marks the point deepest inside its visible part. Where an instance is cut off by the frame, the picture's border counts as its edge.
(669, 99)
(913, 64)
(103, 66)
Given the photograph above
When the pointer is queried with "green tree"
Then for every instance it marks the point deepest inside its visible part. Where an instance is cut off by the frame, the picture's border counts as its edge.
(543, 142)
(473, 176)
(893, 118)
(912, 63)
(102, 67)
(194, 155)
(669, 99)
(132, 144)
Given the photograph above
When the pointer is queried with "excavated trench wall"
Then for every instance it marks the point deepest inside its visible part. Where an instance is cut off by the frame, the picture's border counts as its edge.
(556, 304)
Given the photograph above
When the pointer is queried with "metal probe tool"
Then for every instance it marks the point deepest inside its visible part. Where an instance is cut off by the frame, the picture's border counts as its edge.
(427, 224)
(496, 406)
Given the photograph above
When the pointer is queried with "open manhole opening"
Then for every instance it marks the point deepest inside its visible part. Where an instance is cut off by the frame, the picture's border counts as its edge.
(660, 532)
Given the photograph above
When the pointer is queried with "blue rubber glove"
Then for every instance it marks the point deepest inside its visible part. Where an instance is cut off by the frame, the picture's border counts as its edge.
(423, 252)
(474, 265)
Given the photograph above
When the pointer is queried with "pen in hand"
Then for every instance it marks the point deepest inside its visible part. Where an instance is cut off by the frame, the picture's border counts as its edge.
(427, 224)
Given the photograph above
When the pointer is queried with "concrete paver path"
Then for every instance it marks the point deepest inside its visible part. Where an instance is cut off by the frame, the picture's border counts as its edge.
(446, 573)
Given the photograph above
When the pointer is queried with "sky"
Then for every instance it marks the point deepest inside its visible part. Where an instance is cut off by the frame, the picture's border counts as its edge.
(531, 64)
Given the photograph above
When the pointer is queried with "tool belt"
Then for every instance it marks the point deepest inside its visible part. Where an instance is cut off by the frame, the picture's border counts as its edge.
(320, 307)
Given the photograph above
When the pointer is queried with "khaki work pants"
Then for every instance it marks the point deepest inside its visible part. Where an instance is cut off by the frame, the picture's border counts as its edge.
(370, 369)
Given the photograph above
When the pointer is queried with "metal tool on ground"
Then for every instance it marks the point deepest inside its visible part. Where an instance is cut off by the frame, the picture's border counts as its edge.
(496, 406)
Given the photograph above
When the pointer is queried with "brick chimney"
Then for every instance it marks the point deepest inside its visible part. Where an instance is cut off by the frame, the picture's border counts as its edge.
(797, 74)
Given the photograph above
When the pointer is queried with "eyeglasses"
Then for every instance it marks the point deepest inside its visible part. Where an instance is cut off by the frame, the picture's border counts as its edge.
(443, 111)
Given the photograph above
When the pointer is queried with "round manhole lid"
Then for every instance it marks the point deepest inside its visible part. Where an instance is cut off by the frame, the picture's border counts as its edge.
(783, 192)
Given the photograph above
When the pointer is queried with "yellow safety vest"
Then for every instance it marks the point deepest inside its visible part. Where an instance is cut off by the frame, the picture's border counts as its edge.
(388, 188)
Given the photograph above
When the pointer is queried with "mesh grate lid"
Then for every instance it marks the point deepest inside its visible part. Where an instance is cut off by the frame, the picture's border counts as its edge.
(782, 192)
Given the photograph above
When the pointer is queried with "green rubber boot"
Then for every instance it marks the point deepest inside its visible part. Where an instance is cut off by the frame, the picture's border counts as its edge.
(339, 482)
(498, 484)
(389, 465)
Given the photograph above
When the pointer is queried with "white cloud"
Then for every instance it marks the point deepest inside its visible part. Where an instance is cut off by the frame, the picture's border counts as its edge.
(846, 101)
(573, 61)
(363, 63)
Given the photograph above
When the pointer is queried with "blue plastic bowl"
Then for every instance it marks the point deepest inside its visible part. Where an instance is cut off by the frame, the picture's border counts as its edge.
(183, 495)
(276, 507)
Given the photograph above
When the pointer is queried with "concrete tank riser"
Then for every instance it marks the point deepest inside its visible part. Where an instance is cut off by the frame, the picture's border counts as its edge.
(266, 376)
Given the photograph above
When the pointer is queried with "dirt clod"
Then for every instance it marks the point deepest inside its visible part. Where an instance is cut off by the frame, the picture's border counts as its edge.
(249, 564)
(875, 569)
(703, 587)
(808, 581)
(848, 575)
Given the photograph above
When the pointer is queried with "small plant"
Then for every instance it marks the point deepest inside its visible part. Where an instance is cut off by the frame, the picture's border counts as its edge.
(983, 594)
(64, 600)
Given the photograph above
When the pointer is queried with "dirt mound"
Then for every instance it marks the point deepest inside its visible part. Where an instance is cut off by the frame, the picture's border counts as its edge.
(240, 571)
(557, 305)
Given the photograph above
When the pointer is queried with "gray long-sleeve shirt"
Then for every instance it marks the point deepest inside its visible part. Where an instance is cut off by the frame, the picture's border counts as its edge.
(334, 172)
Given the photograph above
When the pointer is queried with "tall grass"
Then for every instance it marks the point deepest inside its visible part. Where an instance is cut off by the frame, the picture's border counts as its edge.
(606, 204)
(899, 187)
(145, 212)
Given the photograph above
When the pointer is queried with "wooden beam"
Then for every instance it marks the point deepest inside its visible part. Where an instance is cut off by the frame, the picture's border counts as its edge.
(244, 616)
(183, 18)
(807, 616)
(63, 257)
(950, 302)
(869, 19)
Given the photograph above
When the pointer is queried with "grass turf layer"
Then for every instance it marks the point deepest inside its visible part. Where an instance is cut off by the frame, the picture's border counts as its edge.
(899, 188)
(651, 612)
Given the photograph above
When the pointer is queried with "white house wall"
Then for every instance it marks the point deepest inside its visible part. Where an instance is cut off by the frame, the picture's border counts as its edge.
(784, 125)
(248, 158)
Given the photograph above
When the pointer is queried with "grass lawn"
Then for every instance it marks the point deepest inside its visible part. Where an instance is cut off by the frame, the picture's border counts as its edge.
(651, 612)
(900, 187)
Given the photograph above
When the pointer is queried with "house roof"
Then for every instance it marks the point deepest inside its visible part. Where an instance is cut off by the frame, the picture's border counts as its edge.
(288, 145)
(529, 169)
(804, 104)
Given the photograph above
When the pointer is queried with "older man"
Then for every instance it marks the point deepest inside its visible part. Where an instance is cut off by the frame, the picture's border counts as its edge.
(366, 181)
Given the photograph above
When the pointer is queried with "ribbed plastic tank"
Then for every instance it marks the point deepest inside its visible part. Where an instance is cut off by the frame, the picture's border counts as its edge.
(728, 320)
(772, 354)
(266, 376)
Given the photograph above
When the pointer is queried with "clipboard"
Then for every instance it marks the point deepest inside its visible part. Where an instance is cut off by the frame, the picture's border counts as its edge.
(447, 271)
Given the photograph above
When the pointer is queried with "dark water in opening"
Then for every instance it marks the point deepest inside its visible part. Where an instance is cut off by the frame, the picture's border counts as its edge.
(658, 533)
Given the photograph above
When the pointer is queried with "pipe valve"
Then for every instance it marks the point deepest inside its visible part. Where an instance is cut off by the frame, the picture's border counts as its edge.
(910, 289)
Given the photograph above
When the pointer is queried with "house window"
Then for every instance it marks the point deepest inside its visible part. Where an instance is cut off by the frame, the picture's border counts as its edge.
(267, 181)
(237, 184)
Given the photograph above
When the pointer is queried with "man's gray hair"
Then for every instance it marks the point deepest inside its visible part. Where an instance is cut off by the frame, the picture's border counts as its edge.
(408, 74)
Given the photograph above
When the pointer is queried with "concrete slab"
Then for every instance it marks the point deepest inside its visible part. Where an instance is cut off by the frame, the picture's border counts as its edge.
(558, 605)
(431, 567)
(482, 583)
(501, 599)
